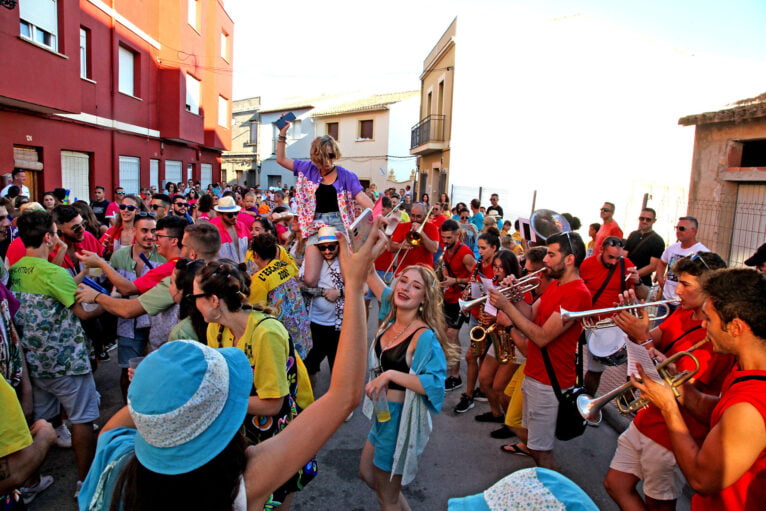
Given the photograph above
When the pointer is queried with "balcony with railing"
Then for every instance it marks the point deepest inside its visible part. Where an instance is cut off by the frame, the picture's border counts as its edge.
(427, 136)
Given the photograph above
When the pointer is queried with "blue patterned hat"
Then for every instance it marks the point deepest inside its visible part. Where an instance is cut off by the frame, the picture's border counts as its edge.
(529, 489)
(187, 402)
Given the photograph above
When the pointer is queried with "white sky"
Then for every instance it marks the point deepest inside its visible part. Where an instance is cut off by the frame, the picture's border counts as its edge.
(304, 48)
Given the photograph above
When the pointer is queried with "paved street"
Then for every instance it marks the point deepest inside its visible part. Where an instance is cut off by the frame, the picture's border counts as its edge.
(460, 459)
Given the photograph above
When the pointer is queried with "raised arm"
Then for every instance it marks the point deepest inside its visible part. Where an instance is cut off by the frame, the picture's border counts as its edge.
(274, 461)
(282, 158)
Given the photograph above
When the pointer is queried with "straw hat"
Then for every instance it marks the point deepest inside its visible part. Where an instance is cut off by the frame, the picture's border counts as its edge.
(227, 205)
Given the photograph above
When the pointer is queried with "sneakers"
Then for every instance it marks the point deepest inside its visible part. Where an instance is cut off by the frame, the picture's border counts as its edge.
(77, 491)
(478, 395)
(502, 432)
(465, 404)
(63, 437)
(452, 383)
(29, 493)
(488, 417)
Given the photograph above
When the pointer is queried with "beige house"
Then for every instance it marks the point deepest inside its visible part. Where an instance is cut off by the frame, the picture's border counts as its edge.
(241, 163)
(430, 137)
(727, 189)
(373, 136)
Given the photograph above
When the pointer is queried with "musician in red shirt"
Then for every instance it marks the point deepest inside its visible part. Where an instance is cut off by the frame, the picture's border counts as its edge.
(644, 450)
(728, 469)
(457, 263)
(543, 326)
(424, 252)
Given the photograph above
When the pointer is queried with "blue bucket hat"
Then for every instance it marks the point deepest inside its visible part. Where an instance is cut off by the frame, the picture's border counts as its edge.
(188, 401)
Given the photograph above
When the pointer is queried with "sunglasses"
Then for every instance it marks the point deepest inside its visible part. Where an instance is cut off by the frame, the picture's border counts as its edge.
(698, 257)
(181, 204)
(155, 207)
(192, 296)
(146, 213)
(327, 248)
(331, 156)
(463, 218)
(78, 227)
(606, 210)
(119, 193)
(683, 228)
(569, 242)
(229, 215)
(128, 207)
(166, 236)
(645, 219)
(613, 243)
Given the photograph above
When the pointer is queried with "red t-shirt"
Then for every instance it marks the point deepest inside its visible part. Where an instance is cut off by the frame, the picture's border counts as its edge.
(748, 493)
(416, 255)
(456, 270)
(89, 242)
(714, 368)
(437, 222)
(593, 273)
(155, 275)
(572, 296)
(16, 250)
(112, 210)
(606, 230)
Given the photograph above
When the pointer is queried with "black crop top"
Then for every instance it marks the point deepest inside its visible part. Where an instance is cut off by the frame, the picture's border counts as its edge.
(327, 199)
(395, 357)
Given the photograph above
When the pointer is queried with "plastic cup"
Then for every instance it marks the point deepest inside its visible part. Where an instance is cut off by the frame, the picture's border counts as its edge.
(133, 362)
(95, 272)
(380, 405)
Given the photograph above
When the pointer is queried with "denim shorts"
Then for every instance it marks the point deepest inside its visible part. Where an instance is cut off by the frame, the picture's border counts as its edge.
(383, 437)
(77, 394)
(333, 219)
(128, 347)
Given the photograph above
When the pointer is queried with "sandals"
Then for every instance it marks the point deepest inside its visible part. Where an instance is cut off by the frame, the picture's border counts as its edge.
(514, 449)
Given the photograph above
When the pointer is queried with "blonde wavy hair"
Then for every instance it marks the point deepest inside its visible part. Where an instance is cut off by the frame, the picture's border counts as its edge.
(317, 153)
(430, 311)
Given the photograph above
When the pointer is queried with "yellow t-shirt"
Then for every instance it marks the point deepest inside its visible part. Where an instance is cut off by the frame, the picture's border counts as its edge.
(14, 433)
(271, 276)
(266, 348)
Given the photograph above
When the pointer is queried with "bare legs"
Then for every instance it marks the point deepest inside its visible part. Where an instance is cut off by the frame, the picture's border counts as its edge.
(387, 489)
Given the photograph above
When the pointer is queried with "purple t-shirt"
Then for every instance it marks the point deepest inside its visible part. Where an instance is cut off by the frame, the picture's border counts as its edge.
(347, 180)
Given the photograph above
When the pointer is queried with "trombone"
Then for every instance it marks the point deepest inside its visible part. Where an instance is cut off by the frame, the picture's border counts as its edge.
(590, 324)
(590, 407)
(413, 238)
(523, 285)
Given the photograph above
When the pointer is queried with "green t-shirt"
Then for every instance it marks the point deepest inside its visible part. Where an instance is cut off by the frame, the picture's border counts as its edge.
(52, 335)
(183, 330)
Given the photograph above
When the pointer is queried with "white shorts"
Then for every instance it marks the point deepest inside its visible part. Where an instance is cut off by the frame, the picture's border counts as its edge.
(656, 466)
(540, 410)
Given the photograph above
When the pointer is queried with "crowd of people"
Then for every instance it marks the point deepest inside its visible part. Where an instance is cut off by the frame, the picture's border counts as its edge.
(231, 298)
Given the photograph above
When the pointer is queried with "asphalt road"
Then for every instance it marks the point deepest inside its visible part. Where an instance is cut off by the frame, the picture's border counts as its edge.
(460, 459)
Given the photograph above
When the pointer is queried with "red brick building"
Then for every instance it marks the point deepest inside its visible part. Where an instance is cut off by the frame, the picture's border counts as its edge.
(114, 92)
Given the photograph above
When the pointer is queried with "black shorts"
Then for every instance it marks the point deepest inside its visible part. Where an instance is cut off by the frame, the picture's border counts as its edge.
(453, 316)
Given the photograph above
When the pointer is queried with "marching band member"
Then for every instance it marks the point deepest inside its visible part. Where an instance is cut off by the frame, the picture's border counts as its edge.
(644, 450)
(728, 468)
(489, 244)
(543, 326)
(409, 254)
(457, 262)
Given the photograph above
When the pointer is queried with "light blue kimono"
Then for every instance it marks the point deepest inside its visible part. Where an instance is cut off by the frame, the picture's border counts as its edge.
(430, 366)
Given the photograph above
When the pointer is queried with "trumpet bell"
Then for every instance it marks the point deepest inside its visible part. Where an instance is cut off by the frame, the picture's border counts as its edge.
(414, 238)
(589, 408)
(545, 223)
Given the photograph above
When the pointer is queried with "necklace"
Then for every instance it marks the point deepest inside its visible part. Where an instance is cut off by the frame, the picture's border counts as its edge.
(396, 337)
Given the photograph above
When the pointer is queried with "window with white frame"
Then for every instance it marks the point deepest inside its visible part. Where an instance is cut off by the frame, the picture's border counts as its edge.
(84, 53)
(223, 112)
(130, 174)
(172, 171)
(224, 46)
(75, 174)
(192, 14)
(38, 21)
(294, 131)
(206, 175)
(154, 173)
(127, 72)
(192, 94)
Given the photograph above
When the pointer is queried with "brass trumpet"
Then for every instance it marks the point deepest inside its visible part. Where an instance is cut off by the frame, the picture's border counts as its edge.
(415, 237)
(590, 407)
(590, 324)
(523, 285)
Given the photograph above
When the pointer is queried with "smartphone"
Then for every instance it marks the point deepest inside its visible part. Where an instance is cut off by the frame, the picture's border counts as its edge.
(288, 117)
(360, 230)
